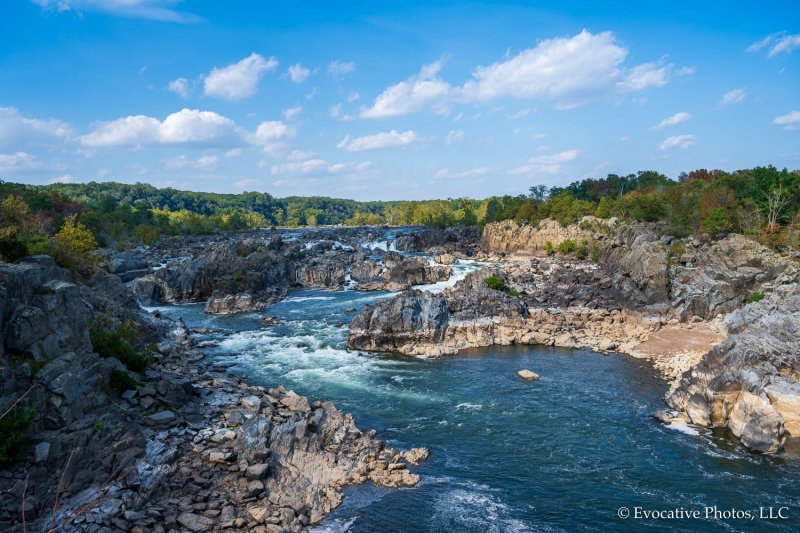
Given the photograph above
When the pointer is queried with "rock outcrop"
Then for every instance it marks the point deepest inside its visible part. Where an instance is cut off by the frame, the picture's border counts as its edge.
(750, 383)
(396, 273)
(179, 446)
(471, 315)
(509, 236)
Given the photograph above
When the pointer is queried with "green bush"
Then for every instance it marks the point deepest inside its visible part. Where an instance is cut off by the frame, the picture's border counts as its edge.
(514, 293)
(122, 381)
(595, 255)
(567, 246)
(495, 283)
(116, 343)
(12, 438)
(754, 297)
(549, 248)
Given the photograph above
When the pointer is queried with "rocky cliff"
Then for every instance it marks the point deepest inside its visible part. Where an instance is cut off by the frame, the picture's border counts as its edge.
(249, 274)
(509, 236)
(750, 383)
(471, 315)
(179, 445)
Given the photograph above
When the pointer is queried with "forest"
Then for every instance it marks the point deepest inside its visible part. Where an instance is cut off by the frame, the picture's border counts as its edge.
(71, 220)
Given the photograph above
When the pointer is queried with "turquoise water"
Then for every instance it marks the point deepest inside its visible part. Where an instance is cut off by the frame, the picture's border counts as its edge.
(560, 454)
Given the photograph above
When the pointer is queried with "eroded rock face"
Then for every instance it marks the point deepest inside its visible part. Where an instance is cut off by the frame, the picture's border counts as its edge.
(397, 273)
(749, 382)
(509, 236)
(471, 315)
(459, 240)
(187, 448)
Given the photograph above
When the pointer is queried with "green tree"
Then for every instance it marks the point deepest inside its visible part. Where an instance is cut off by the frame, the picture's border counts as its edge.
(74, 243)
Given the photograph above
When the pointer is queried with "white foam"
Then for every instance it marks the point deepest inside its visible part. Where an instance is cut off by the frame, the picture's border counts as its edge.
(308, 298)
(683, 427)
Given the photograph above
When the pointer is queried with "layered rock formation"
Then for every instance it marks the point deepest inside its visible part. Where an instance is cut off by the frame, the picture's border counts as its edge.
(186, 447)
(509, 236)
(249, 274)
(749, 382)
(471, 315)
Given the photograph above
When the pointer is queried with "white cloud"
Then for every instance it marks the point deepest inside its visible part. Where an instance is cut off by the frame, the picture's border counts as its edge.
(318, 167)
(736, 96)
(781, 43)
(677, 141)
(17, 162)
(175, 163)
(243, 184)
(180, 87)
(66, 178)
(352, 97)
(239, 80)
(454, 136)
(677, 118)
(568, 70)
(17, 130)
(785, 44)
(546, 164)
(340, 68)
(471, 173)
(270, 131)
(410, 95)
(300, 155)
(292, 112)
(644, 76)
(338, 114)
(234, 152)
(789, 121)
(522, 113)
(187, 126)
(160, 10)
(379, 141)
(298, 73)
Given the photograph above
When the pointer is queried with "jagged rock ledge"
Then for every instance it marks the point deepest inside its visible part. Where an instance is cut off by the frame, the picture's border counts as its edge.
(189, 447)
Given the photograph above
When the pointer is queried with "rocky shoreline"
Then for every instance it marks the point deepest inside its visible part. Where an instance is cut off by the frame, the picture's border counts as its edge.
(187, 447)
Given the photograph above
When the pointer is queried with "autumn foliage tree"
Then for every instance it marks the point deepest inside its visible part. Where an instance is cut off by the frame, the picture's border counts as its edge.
(74, 243)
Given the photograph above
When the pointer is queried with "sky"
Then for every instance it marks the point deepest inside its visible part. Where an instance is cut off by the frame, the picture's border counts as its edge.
(387, 100)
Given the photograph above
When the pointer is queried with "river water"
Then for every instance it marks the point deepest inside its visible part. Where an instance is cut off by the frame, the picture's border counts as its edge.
(564, 453)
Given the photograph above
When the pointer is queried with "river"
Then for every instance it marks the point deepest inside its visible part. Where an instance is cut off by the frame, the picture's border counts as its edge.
(564, 453)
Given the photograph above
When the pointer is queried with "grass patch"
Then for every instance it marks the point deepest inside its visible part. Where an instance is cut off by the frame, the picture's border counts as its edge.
(117, 343)
(754, 297)
(12, 438)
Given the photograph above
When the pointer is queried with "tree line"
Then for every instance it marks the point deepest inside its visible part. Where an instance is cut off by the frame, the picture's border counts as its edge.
(762, 202)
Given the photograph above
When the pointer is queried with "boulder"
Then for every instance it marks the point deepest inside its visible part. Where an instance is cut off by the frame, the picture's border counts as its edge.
(528, 375)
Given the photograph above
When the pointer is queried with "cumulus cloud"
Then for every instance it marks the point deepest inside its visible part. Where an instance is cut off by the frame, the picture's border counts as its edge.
(410, 95)
(17, 130)
(677, 118)
(270, 131)
(300, 155)
(239, 80)
(180, 87)
(17, 162)
(454, 136)
(339, 68)
(546, 164)
(789, 121)
(298, 73)
(677, 141)
(778, 43)
(567, 70)
(736, 96)
(471, 173)
(379, 141)
(185, 127)
(161, 10)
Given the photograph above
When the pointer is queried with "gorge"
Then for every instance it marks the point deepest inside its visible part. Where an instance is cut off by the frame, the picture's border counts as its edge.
(220, 444)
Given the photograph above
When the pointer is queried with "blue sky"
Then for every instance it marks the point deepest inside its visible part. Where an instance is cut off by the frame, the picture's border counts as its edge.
(392, 100)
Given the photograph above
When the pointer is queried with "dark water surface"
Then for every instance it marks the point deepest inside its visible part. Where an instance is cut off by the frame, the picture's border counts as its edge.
(560, 454)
